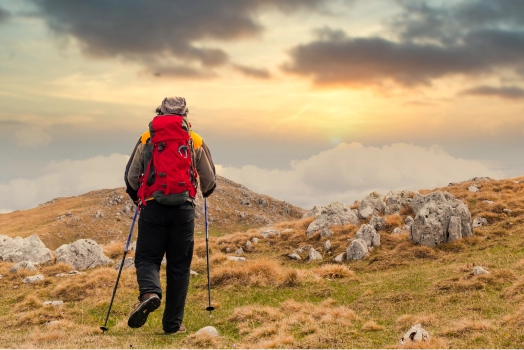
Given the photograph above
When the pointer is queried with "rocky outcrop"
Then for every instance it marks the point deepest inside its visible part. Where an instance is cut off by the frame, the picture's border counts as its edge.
(24, 249)
(439, 220)
(396, 200)
(378, 222)
(313, 213)
(371, 204)
(22, 265)
(335, 213)
(82, 254)
(368, 234)
(357, 250)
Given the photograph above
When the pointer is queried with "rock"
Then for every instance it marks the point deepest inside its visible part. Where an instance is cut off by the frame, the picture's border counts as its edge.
(33, 279)
(408, 220)
(70, 273)
(326, 232)
(287, 230)
(22, 265)
(369, 235)
(371, 204)
(507, 211)
(249, 245)
(208, 330)
(432, 222)
(406, 228)
(396, 200)
(357, 250)
(488, 202)
(254, 240)
(294, 256)
(1, 277)
(56, 303)
(270, 233)
(82, 254)
(313, 213)
(378, 222)
(263, 202)
(314, 255)
(239, 251)
(132, 246)
(478, 270)
(339, 258)
(98, 214)
(473, 189)
(479, 221)
(327, 245)
(305, 248)
(128, 263)
(24, 249)
(415, 334)
(396, 231)
(335, 213)
(193, 273)
(236, 258)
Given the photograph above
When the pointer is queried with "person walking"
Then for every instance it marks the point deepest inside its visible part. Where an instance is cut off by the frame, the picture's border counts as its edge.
(167, 165)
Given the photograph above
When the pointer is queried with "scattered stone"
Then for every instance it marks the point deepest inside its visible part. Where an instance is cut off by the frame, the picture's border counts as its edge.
(270, 233)
(357, 250)
(236, 258)
(406, 228)
(98, 214)
(326, 232)
(473, 189)
(243, 214)
(82, 254)
(128, 263)
(335, 213)
(254, 240)
(263, 202)
(33, 279)
(239, 251)
(327, 245)
(488, 202)
(294, 256)
(24, 249)
(396, 231)
(378, 222)
(369, 235)
(22, 265)
(56, 303)
(478, 270)
(228, 250)
(371, 204)
(415, 334)
(70, 273)
(193, 273)
(408, 220)
(287, 230)
(249, 245)
(507, 211)
(339, 258)
(480, 221)
(314, 255)
(396, 200)
(209, 330)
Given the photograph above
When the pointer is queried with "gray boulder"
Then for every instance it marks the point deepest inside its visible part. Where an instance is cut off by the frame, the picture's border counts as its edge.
(371, 204)
(339, 258)
(440, 220)
(208, 330)
(326, 232)
(24, 249)
(82, 254)
(419, 201)
(396, 200)
(357, 250)
(239, 251)
(294, 256)
(478, 270)
(33, 279)
(22, 265)
(415, 334)
(327, 245)
(55, 303)
(128, 263)
(270, 233)
(314, 255)
(335, 213)
(479, 221)
(313, 213)
(396, 231)
(236, 258)
(369, 235)
(473, 189)
(378, 222)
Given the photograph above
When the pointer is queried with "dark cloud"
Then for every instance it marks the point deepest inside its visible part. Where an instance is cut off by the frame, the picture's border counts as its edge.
(423, 43)
(260, 73)
(506, 92)
(166, 30)
(4, 15)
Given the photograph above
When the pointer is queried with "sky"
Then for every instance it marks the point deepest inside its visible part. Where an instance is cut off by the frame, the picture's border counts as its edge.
(308, 101)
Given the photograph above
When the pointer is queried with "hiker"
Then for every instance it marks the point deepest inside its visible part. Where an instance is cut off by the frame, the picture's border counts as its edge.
(165, 188)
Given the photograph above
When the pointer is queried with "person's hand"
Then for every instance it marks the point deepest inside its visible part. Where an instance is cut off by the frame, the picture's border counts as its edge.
(137, 202)
(208, 193)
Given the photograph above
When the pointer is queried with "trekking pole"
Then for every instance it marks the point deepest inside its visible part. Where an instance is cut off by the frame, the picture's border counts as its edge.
(104, 327)
(209, 308)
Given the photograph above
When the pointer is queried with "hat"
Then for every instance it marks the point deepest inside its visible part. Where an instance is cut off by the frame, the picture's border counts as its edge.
(173, 105)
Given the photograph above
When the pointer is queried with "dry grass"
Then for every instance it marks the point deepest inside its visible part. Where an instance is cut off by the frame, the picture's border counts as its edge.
(404, 322)
(465, 326)
(252, 273)
(333, 271)
(393, 221)
(372, 326)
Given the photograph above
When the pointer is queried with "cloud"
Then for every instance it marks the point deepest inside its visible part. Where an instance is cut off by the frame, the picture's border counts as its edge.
(4, 15)
(31, 137)
(348, 172)
(419, 45)
(162, 33)
(506, 92)
(260, 73)
(64, 178)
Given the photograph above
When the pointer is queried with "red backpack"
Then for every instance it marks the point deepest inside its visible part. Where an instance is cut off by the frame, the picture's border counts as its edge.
(169, 174)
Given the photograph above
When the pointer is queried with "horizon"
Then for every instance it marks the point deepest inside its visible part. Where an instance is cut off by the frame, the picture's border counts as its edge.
(306, 101)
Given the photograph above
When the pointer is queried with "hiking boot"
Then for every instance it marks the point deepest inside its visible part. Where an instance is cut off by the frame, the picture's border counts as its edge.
(147, 303)
(182, 329)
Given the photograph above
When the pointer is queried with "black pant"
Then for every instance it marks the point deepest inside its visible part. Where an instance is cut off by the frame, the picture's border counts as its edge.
(166, 229)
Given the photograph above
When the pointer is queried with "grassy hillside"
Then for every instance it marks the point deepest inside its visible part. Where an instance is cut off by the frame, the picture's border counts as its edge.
(271, 301)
